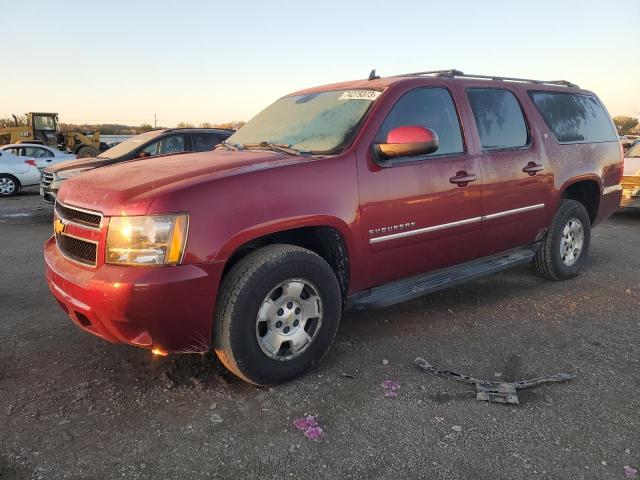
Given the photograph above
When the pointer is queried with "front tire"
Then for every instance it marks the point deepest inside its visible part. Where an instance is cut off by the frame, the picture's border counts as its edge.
(278, 311)
(565, 246)
(87, 151)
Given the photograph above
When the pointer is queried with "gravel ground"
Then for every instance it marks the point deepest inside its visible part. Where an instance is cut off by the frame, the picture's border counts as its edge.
(73, 406)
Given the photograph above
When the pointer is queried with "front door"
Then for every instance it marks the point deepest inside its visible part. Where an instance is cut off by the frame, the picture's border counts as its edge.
(425, 212)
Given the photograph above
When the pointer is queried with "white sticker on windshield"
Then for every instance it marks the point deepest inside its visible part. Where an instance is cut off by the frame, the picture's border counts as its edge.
(360, 95)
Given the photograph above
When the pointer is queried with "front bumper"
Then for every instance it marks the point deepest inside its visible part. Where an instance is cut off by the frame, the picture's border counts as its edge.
(166, 308)
(630, 191)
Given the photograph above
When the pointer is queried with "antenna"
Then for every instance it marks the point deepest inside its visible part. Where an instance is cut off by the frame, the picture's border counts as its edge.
(373, 76)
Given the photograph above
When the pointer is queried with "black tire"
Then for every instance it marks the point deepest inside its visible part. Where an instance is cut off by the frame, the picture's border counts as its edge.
(242, 293)
(548, 261)
(6, 181)
(87, 151)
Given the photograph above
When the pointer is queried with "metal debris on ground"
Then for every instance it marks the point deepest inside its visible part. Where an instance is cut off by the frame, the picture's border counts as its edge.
(496, 392)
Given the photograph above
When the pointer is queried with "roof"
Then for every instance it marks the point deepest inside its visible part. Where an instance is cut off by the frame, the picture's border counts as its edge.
(380, 83)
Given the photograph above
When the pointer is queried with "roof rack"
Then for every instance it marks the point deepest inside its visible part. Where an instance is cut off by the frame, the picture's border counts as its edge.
(458, 73)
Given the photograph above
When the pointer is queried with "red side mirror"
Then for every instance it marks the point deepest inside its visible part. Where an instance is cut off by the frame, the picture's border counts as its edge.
(409, 141)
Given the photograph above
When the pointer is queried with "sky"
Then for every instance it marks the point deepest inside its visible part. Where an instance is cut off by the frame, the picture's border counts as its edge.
(212, 61)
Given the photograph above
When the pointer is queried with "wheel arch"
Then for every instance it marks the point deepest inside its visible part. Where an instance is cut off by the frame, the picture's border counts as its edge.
(328, 239)
(586, 190)
(14, 178)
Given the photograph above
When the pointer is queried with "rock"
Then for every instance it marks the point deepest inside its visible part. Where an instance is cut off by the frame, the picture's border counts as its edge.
(385, 361)
(456, 428)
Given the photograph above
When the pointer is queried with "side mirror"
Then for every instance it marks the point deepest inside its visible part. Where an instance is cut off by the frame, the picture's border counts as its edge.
(409, 141)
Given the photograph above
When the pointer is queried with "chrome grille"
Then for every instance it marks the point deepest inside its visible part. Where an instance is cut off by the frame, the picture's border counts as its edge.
(82, 217)
(47, 179)
(76, 249)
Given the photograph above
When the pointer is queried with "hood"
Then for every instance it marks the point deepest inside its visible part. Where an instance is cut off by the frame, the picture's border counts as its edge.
(82, 163)
(131, 186)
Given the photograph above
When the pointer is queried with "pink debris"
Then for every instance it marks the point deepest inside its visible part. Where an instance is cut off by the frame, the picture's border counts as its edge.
(314, 433)
(309, 426)
(390, 394)
(305, 423)
(630, 472)
(390, 385)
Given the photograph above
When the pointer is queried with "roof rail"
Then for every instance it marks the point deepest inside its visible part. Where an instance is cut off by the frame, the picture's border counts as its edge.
(458, 73)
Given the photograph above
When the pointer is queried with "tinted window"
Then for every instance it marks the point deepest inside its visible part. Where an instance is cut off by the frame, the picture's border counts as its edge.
(499, 118)
(172, 144)
(201, 142)
(429, 107)
(574, 118)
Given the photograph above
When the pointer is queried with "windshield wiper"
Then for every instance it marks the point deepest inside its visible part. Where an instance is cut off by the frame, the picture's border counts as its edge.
(280, 147)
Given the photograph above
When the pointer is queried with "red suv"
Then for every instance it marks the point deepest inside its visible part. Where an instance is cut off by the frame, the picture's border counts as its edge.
(358, 194)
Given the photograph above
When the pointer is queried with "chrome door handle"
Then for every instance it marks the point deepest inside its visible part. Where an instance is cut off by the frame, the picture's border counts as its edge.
(532, 168)
(462, 179)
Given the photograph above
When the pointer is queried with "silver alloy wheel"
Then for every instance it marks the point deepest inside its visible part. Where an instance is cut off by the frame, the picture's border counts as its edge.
(289, 319)
(571, 242)
(7, 186)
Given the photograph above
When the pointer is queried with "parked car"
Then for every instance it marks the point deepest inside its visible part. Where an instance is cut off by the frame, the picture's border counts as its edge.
(16, 173)
(43, 155)
(631, 178)
(150, 144)
(353, 195)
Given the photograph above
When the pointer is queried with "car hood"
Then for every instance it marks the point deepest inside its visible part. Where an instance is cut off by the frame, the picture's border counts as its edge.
(83, 163)
(130, 187)
(632, 167)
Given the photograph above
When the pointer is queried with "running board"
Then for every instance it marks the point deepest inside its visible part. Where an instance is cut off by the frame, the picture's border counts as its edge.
(414, 287)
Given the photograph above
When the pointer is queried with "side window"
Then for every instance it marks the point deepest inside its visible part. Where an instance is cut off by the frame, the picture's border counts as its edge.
(201, 142)
(499, 118)
(15, 151)
(574, 118)
(429, 107)
(37, 152)
(172, 144)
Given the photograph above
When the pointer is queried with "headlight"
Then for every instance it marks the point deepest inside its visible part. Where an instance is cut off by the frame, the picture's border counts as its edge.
(148, 240)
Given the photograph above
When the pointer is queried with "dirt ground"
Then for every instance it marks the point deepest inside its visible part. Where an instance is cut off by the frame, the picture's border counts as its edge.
(73, 406)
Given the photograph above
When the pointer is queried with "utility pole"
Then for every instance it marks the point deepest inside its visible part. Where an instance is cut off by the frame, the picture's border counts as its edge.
(155, 121)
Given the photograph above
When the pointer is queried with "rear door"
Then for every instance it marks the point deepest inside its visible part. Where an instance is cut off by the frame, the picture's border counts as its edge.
(416, 216)
(516, 189)
(42, 156)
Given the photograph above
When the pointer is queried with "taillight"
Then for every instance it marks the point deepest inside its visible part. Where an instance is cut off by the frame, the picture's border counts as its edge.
(30, 162)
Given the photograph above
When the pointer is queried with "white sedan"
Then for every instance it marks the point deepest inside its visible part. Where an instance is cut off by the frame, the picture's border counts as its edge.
(16, 172)
(43, 155)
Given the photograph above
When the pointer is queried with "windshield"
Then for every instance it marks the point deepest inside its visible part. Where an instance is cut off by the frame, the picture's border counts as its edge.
(317, 123)
(130, 145)
(633, 152)
(43, 122)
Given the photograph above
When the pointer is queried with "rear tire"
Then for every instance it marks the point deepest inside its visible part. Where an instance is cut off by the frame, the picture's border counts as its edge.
(9, 185)
(87, 151)
(278, 311)
(565, 246)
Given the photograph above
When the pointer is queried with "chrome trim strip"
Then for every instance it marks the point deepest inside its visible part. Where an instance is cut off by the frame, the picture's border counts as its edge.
(424, 230)
(82, 225)
(612, 189)
(455, 224)
(491, 216)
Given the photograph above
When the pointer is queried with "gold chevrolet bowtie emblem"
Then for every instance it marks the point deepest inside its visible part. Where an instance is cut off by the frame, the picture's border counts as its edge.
(58, 226)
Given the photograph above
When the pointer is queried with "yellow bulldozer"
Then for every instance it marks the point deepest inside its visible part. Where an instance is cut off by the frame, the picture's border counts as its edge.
(44, 128)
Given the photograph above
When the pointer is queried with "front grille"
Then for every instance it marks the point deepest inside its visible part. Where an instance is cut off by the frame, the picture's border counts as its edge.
(78, 216)
(47, 178)
(79, 250)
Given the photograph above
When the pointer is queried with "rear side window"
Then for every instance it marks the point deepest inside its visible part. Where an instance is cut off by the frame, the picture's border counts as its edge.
(499, 118)
(429, 107)
(574, 118)
(201, 142)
